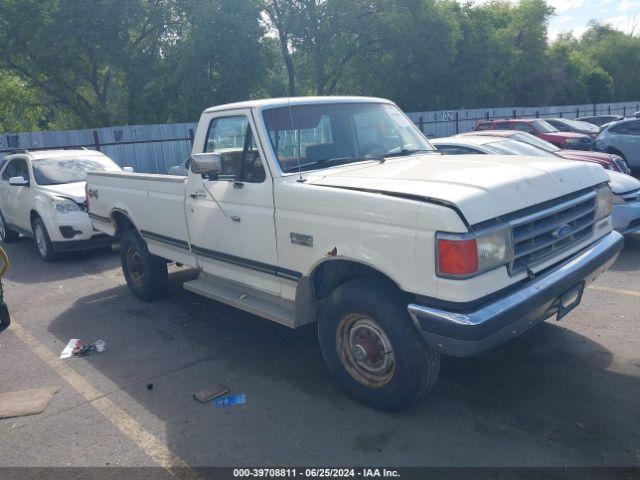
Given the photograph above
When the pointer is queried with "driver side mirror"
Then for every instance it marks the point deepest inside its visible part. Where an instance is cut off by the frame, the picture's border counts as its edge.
(18, 182)
(209, 163)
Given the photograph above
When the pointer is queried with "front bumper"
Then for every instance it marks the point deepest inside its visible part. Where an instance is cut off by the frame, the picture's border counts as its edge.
(626, 217)
(98, 240)
(468, 333)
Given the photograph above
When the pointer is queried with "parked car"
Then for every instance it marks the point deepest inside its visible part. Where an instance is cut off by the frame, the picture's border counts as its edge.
(337, 210)
(599, 120)
(626, 189)
(606, 160)
(566, 125)
(622, 138)
(42, 196)
(543, 130)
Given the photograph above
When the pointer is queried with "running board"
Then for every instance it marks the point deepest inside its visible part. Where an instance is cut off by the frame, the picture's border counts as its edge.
(245, 298)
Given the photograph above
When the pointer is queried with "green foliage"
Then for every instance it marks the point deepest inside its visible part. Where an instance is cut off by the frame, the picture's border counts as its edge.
(20, 109)
(78, 63)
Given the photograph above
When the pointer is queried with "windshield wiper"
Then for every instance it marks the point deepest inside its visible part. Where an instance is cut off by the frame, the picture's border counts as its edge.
(327, 163)
(406, 152)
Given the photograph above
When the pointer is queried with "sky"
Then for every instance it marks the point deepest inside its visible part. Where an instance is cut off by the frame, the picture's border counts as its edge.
(574, 15)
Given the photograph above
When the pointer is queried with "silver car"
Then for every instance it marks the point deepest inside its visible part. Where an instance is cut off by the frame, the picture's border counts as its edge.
(626, 189)
(622, 138)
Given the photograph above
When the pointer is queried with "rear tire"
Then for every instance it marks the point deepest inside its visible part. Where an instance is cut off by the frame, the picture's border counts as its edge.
(372, 348)
(43, 242)
(6, 234)
(146, 274)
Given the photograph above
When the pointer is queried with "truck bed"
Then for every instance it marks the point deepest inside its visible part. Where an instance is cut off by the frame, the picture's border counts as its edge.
(154, 203)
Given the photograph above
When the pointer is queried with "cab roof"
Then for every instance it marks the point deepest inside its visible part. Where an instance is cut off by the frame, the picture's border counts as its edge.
(57, 153)
(284, 101)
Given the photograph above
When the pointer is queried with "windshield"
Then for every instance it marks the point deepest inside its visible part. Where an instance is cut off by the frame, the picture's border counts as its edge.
(511, 147)
(544, 127)
(58, 171)
(535, 141)
(308, 137)
(584, 126)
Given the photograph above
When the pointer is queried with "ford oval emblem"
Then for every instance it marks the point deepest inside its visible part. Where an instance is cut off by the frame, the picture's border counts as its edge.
(562, 231)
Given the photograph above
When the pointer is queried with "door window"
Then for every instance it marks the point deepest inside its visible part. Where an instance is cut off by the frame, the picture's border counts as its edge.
(523, 127)
(457, 150)
(16, 168)
(233, 139)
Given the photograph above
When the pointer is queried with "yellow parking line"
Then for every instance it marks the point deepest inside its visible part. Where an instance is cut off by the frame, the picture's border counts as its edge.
(616, 290)
(119, 418)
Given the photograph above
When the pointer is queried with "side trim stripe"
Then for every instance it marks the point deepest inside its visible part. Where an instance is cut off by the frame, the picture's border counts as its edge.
(225, 257)
(99, 218)
(164, 239)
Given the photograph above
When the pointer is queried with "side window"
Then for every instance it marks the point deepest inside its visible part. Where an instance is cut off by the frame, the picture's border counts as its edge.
(232, 138)
(523, 127)
(628, 128)
(503, 126)
(10, 171)
(16, 168)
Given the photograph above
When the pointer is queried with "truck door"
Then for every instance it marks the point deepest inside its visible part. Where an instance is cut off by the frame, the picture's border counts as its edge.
(230, 217)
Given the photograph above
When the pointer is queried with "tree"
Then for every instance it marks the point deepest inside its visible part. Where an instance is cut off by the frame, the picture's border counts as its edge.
(20, 107)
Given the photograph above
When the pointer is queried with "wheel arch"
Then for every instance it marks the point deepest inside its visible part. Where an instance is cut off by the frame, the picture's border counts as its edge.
(325, 277)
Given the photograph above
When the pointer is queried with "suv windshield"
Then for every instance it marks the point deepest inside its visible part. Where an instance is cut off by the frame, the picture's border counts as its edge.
(308, 137)
(535, 141)
(57, 171)
(544, 127)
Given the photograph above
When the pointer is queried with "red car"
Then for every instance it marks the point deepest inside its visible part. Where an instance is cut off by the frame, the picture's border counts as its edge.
(541, 129)
(607, 160)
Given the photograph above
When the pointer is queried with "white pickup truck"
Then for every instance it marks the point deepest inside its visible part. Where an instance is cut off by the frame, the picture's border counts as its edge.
(338, 211)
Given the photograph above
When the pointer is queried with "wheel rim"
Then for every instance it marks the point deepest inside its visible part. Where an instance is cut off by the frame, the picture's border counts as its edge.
(135, 267)
(365, 350)
(41, 242)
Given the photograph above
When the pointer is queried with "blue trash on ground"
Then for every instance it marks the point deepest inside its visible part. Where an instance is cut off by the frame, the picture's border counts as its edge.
(230, 400)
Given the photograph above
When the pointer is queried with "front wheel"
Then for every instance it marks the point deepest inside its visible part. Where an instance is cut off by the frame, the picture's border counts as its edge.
(43, 242)
(146, 274)
(372, 348)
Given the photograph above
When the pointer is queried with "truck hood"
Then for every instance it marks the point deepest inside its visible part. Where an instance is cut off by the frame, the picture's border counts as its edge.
(482, 187)
(74, 191)
(587, 155)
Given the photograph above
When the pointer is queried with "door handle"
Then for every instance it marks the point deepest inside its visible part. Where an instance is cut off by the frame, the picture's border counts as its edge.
(238, 184)
(195, 195)
(235, 218)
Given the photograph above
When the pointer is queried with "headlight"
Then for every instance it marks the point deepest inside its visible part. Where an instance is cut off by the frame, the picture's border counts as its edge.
(469, 254)
(64, 205)
(604, 202)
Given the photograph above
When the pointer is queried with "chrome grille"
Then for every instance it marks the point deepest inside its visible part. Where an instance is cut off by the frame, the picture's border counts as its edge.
(544, 234)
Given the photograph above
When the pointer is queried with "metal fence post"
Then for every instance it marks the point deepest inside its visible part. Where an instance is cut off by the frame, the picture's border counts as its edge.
(457, 124)
(191, 137)
(624, 110)
(421, 124)
(96, 140)
(609, 109)
(515, 115)
(594, 109)
(578, 112)
(537, 114)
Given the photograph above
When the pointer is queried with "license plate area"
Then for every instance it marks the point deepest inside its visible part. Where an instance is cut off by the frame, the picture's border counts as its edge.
(570, 300)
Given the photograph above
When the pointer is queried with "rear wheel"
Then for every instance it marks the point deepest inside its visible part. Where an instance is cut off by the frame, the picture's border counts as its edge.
(146, 274)
(7, 235)
(43, 242)
(372, 348)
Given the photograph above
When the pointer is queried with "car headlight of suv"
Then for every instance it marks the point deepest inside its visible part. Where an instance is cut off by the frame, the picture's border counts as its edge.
(604, 202)
(64, 205)
(468, 254)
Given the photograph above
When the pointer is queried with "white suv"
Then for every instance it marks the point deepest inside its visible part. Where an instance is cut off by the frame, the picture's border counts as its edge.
(42, 196)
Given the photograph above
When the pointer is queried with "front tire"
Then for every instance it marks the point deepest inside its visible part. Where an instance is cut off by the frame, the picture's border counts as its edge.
(6, 234)
(372, 348)
(146, 274)
(43, 242)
